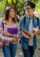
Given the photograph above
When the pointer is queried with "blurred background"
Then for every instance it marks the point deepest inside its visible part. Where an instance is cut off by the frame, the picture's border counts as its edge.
(19, 6)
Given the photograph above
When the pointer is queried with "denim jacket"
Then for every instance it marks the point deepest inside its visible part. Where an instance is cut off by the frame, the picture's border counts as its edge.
(23, 40)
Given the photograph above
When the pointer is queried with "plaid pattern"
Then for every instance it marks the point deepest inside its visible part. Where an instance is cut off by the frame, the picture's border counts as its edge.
(1, 43)
(5, 29)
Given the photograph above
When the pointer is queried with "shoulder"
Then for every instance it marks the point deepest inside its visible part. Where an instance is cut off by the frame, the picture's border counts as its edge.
(22, 18)
(4, 21)
(37, 18)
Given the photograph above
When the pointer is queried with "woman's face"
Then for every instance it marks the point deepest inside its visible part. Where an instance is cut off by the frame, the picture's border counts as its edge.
(12, 13)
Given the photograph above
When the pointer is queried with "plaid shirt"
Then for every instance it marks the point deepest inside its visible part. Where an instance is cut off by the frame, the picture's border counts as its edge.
(7, 39)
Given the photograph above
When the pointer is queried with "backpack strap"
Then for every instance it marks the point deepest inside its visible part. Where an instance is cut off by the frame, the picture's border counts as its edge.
(24, 19)
(2, 25)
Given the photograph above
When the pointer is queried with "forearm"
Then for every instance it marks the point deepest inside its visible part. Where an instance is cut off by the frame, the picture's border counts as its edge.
(11, 35)
(8, 34)
(8, 39)
(25, 35)
(5, 39)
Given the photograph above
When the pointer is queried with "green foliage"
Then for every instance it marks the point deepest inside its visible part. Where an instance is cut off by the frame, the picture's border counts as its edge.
(38, 6)
(2, 6)
(17, 4)
(37, 2)
(34, 1)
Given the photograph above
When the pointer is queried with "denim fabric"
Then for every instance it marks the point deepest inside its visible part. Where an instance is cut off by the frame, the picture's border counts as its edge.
(9, 50)
(23, 40)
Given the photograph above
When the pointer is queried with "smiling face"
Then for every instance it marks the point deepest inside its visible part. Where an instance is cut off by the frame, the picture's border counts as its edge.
(29, 10)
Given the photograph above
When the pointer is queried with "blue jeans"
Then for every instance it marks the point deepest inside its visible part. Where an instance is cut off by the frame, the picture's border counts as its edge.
(9, 50)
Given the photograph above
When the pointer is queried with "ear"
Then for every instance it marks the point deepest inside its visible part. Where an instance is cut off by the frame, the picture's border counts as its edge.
(33, 9)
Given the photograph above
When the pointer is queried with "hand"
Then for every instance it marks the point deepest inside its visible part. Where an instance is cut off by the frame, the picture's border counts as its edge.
(36, 29)
(32, 36)
(6, 33)
(14, 40)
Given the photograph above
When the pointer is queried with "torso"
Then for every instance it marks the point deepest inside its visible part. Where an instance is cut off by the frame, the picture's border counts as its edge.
(9, 25)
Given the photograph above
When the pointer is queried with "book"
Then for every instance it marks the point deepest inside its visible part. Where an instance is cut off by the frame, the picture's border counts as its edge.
(28, 34)
(12, 30)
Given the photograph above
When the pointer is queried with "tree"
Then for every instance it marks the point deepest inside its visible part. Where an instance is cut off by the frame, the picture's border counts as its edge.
(2, 5)
(19, 5)
(34, 1)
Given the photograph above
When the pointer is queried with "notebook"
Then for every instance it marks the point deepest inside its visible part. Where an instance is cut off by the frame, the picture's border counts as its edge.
(27, 33)
(12, 30)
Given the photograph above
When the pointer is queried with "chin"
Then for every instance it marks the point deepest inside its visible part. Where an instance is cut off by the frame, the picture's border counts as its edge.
(12, 16)
(29, 14)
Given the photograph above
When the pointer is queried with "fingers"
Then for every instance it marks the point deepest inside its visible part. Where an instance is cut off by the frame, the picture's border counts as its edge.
(36, 29)
(14, 40)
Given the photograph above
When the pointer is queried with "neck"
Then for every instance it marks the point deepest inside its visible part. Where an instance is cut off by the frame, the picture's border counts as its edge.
(10, 19)
(31, 16)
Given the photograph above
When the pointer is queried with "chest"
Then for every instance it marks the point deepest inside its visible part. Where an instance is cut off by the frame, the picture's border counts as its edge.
(10, 27)
(27, 23)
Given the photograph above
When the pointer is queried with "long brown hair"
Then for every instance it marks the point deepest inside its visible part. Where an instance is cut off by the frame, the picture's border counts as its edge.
(7, 12)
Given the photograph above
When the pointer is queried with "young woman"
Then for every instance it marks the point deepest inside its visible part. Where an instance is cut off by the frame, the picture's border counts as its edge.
(10, 32)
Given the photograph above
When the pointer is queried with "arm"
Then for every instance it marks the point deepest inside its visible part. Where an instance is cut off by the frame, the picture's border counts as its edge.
(21, 31)
(8, 34)
(8, 39)
(26, 36)
(36, 29)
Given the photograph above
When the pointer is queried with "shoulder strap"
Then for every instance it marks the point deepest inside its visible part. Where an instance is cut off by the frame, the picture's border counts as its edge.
(24, 19)
(2, 25)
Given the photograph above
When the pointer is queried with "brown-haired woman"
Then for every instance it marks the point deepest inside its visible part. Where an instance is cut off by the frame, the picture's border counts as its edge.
(10, 23)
